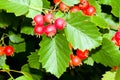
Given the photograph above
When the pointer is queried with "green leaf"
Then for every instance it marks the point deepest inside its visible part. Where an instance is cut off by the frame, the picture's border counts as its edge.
(107, 2)
(99, 21)
(27, 30)
(115, 4)
(117, 76)
(22, 7)
(109, 75)
(46, 4)
(108, 55)
(36, 74)
(24, 78)
(70, 2)
(19, 47)
(2, 61)
(33, 60)
(5, 19)
(89, 61)
(81, 33)
(15, 38)
(35, 7)
(54, 54)
(19, 7)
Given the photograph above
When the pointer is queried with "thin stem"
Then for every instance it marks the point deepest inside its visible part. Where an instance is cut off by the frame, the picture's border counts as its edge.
(10, 75)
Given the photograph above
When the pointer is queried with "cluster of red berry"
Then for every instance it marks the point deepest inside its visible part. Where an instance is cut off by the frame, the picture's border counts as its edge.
(7, 50)
(76, 60)
(45, 24)
(84, 6)
(116, 38)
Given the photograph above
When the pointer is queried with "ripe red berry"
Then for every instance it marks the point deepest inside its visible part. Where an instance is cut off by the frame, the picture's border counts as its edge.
(76, 61)
(2, 50)
(9, 50)
(74, 9)
(50, 30)
(39, 19)
(83, 4)
(56, 1)
(63, 7)
(89, 11)
(38, 30)
(48, 17)
(117, 36)
(82, 54)
(60, 23)
(117, 43)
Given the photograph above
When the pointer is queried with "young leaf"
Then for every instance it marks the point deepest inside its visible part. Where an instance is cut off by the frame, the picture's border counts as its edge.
(81, 33)
(108, 55)
(33, 60)
(55, 54)
(109, 75)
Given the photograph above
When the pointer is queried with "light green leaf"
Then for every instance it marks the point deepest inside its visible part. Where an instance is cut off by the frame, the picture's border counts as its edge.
(81, 33)
(99, 21)
(70, 2)
(89, 61)
(27, 30)
(115, 4)
(108, 55)
(54, 54)
(19, 7)
(22, 7)
(15, 38)
(109, 75)
(33, 60)
(107, 2)
(35, 7)
(2, 61)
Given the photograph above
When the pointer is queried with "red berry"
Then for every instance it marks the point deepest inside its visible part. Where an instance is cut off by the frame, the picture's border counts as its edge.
(117, 43)
(115, 68)
(56, 1)
(60, 23)
(75, 9)
(9, 50)
(82, 54)
(39, 19)
(89, 11)
(48, 17)
(76, 61)
(117, 36)
(38, 30)
(63, 7)
(2, 50)
(83, 4)
(50, 30)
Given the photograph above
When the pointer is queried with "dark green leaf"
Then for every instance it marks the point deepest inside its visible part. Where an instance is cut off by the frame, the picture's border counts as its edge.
(27, 30)
(2, 61)
(33, 60)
